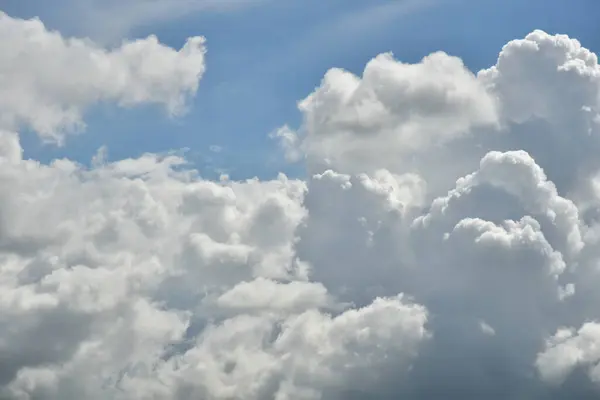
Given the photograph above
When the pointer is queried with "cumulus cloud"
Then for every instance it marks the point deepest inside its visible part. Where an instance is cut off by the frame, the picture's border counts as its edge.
(474, 193)
(567, 350)
(48, 81)
(143, 274)
(437, 248)
(403, 105)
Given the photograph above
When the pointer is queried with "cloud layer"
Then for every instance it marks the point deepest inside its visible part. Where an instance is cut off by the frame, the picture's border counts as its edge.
(444, 244)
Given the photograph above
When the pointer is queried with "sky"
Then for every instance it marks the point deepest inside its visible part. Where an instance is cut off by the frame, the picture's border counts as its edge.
(264, 56)
(299, 200)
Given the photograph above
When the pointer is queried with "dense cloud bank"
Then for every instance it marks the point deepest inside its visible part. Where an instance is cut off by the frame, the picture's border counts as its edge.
(444, 245)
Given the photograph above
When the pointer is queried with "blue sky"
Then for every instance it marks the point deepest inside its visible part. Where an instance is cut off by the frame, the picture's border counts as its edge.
(264, 57)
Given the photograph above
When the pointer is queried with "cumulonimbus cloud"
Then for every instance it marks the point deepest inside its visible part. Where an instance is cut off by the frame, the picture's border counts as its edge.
(443, 246)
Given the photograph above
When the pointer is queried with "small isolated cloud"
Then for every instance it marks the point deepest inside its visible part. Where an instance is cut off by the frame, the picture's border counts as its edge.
(486, 329)
(444, 245)
(288, 141)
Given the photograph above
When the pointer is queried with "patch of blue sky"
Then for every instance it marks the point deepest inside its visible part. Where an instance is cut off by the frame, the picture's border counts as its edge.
(264, 57)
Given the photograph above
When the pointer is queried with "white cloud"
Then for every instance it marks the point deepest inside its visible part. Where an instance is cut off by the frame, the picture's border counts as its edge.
(568, 349)
(394, 111)
(301, 356)
(48, 82)
(437, 249)
(142, 274)
(288, 141)
(486, 329)
(509, 244)
(544, 76)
